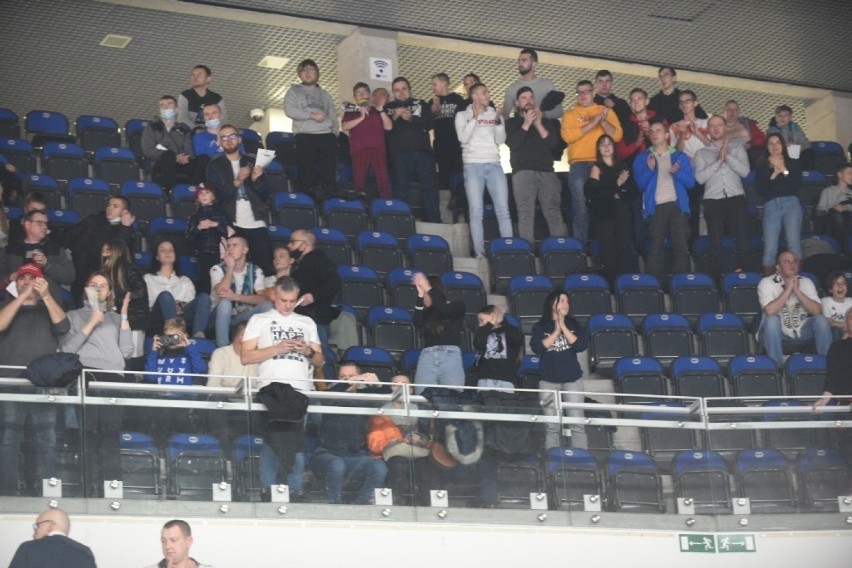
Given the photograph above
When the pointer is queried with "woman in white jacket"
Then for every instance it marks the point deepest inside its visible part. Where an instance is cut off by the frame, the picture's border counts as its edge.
(481, 130)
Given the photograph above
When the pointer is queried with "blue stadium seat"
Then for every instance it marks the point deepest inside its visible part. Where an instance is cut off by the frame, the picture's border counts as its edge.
(393, 216)
(509, 257)
(526, 298)
(572, 473)
(698, 376)
(140, 465)
(276, 178)
(467, 288)
(174, 229)
(663, 443)
(805, 374)
(813, 182)
(429, 254)
(393, 329)
(380, 251)
(408, 365)
(47, 186)
(183, 200)
(252, 141)
(589, 296)
(64, 161)
(47, 126)
(10, 124)
(247, 450)
(196, 462)
(823, 476)
(296, 210)
(61, 219)
(348, 216)
(561, 257)
(528, 374)
(143, 259)
(765, 477)
(694, 294)
(611, 337)
(703, 477)
(754, 376)
(740, 290)
(188, 266)
(116, 165)
(667, 336)
(20, 154)
(372, 360)
(95, 132)
(402, 292)
(638, 296)
(88, 196)
(335, 245)
(360, 288)
(633, 483)
(147, 199)
(279, 235)
(642, 376)
(133, 136)
(828, 155)
(722, 336)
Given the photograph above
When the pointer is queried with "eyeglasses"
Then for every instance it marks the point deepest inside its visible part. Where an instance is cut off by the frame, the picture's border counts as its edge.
(224, 137)
(585, 92)
(37, 523)
(39, 223)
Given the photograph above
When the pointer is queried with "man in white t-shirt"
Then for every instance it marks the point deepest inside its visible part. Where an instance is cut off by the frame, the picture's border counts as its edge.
(286, 348)
(791, 310)
(235, 286)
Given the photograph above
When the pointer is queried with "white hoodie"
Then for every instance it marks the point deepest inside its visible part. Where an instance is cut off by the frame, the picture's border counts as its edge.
(481, 137)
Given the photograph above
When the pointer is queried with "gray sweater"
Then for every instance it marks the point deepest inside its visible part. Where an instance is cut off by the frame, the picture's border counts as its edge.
(105, 348)
(540, 87)
(31, 334)
(301, 100)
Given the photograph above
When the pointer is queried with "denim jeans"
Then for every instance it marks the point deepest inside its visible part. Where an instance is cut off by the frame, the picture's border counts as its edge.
(340, 470)
(772, 338)
(269, 466)
(778, 213)
(577, 176)
(571, 392)
(478, 177)
(196, 313)
(422, 164)
(439, 365)
(223, 320)
(43, 419)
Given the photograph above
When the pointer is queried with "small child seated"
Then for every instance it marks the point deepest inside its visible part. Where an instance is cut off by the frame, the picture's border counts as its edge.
(834, 307)
(835, 206)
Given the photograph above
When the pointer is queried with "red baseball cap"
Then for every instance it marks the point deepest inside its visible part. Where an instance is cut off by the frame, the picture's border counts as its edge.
(30, 269)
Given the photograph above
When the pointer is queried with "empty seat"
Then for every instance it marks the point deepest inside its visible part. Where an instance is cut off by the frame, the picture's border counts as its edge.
(133, 129)
(667, 337)
(828, 155)
(509, 257)
(467, 288)
(403, 293)
(140, 465)
(764, 476)
(703, 477)
(183, 200)
(754, 376)
(611, 337)
(64, 161)
(663, 442)
(633, 483)
(88, 196)
(589, 296)
(116, 165)
(823, 476)
(372, 360)
(147, 199)
(95, 132)
(20, 154)
(393, 329)
(335, 245)
(740, 290)
(10, 125)
(276, 178)
(642, 376)
(252, 141)
(360, 288)
(348, 216)
(639, 295)
(247, 450)
(528, 373)
(59, 220)
(284, 145)
(813, 182)
(47, 126)
(805, 374)
(296, 210)
(196, 463)
(429, 254)
(526, 298)
(395, 217)
(694, 294)
(791, 440)
(561, 257)
(380, 251)
(47, 186)
(572, 473)
(698, 376)
(722, 336)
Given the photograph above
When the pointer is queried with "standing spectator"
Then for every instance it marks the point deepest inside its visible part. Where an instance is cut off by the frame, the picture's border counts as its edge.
(835, 205)
(664, 175)
(782, 123)
(448, 151)
(604, 96)
(665, 102)
(690, 135)
(527, 64)
(410, 149)
(35, 246)
(556, 339)
(365, 121)
(31, 324)
(242, 192)
(532, 141)
(341, 456)
(640, 120)
(837, 305)
(318, 281)
(499, 348)
(167, 144)
(778, 179)
(481, 130)
(610, 192)
(171, 295)
(442, 322)
(286, 348)
(315, 126)
(206, 230)
(127, 278)
(720, 167)
(51, 547)
(581, 128)
(737, 126)
(193, 101)
(86, 239)
(176, 540)
(469, 81)
(236, 285)
(791, 310)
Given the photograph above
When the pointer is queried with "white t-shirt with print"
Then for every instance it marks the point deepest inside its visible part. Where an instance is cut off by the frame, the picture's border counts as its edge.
(271, 328)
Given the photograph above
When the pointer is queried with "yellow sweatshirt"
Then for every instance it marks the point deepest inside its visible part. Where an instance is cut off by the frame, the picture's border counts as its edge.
(582, 147)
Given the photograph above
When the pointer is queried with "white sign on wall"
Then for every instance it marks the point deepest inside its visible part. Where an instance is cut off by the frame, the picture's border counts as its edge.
(381, 69)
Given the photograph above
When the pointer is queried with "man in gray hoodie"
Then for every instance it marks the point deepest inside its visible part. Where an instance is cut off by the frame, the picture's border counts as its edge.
(316, 128)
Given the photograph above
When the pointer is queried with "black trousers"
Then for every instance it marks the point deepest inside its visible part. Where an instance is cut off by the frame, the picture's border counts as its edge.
(727, 217)
(316, 158)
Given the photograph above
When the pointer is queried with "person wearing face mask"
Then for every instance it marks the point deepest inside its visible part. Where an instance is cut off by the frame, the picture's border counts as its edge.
(86, 239)
(167, 144)
(193, 101)
(205, 141)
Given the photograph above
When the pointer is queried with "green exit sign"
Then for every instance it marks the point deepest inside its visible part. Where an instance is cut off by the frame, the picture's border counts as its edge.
(697, 543)
(735, 543)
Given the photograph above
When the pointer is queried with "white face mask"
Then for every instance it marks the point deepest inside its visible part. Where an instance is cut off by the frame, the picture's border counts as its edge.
(115, 220)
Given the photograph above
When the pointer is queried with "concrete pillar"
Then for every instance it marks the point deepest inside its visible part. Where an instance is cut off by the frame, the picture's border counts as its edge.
(830, 118)
(366, 55)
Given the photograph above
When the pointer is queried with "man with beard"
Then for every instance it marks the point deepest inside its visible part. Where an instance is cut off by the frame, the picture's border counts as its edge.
(448, 154)
(527, 63)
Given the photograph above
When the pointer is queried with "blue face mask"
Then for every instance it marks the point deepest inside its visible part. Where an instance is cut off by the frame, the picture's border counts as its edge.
(168, 114)
(213, 123)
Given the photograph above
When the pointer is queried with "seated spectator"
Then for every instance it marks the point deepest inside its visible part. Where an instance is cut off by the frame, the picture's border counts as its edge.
(782, 123)
(173, 356)
(34, 200)
(365, 121)
(171, 295)
(341, 458)
(837, 383)
(791, 310)
(318, 281)
(35, 246)
(837, 305)
(226, 366)
(206, 229)
(499, 349)
(193, 101)
(205, 142)
(10, 182)
(236, 286)
(127, 278)
(167, 144)
(835, 207)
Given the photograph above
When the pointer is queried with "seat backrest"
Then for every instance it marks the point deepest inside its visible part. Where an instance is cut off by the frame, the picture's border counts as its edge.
(46, 122)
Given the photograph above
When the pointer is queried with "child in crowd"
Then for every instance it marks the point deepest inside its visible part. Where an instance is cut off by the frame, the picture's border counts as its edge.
(173, 357)
(835, 204)
(206, 230)
(834, 307)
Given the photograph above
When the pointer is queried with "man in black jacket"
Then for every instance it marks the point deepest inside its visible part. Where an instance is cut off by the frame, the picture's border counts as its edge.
(51, 547)
(242, 192)
(167, 144)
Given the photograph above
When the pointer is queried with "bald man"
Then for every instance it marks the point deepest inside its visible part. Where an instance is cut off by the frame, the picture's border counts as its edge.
(318, 281)
(51, 547)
